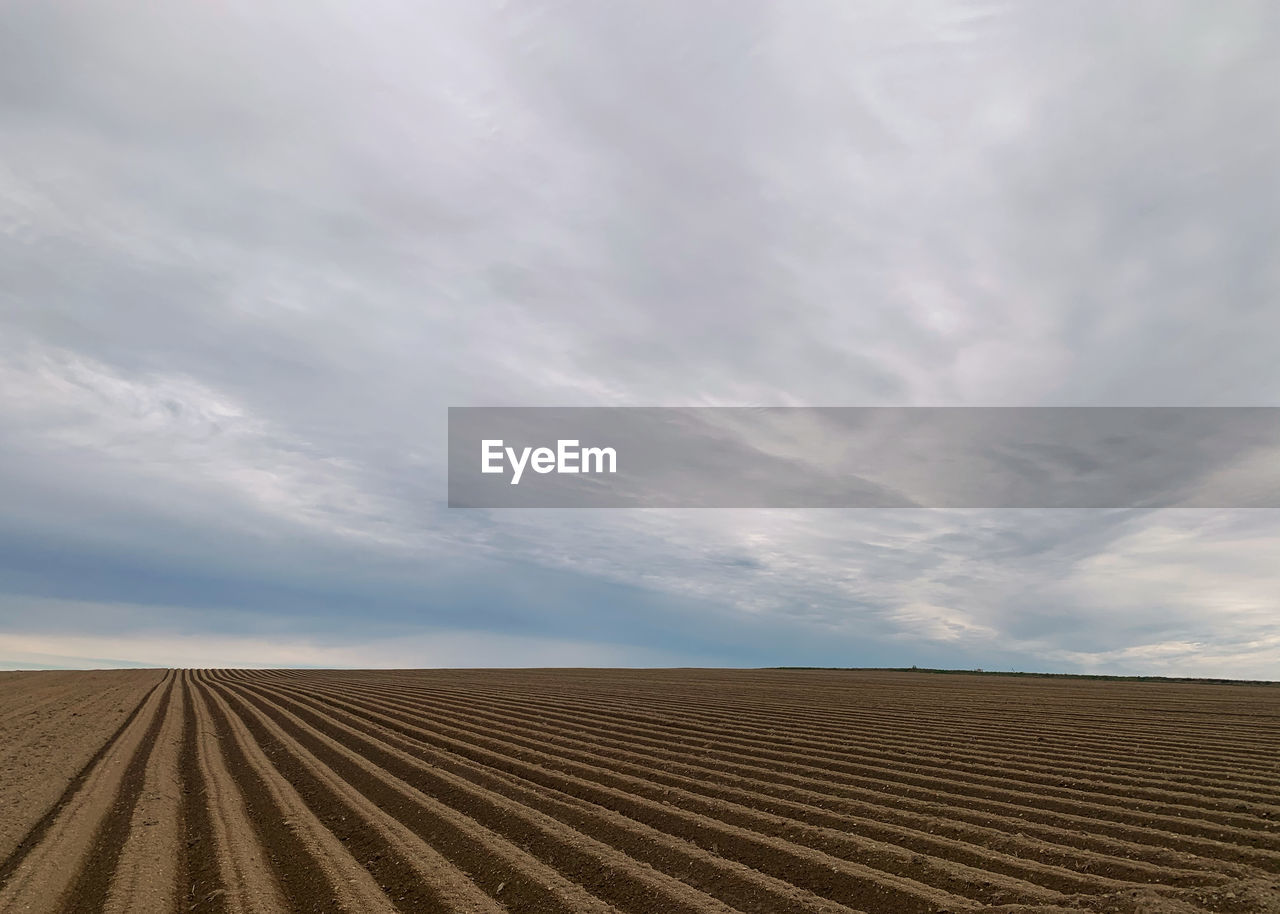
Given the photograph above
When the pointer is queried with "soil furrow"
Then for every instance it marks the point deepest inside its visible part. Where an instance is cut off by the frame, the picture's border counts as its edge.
(146, 875)
(812, 807)
(249, 884)
(354, 889)
(71, 864)
(744, 889)
(1042, 734)
(407, 872)
(546, 722)
(887, 793)
(37, 831)
(1207, 793)
(845, 881)
(201, 889)
(610, 875)
(693, 791)
(929, 776)
(88, 893)
(502, 869)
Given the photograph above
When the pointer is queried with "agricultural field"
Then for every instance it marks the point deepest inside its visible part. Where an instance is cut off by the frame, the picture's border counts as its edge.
(767, 791)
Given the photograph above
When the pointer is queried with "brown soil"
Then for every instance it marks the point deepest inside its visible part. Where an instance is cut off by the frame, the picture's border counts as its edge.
(51, 725)
(635, 791)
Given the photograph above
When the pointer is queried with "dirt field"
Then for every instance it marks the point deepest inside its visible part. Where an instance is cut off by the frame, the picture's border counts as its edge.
(639, 791)
(51, 724)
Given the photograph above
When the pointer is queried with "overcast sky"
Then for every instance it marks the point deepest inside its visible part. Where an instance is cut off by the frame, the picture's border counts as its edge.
(251, 251)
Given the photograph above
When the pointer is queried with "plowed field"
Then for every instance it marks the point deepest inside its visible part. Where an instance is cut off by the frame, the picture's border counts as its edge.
(777, 792)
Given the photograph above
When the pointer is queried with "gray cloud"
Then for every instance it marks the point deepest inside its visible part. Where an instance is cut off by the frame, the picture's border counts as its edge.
(250, 252)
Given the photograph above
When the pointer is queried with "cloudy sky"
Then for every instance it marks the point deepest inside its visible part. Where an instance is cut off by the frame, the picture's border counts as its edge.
(250, 252)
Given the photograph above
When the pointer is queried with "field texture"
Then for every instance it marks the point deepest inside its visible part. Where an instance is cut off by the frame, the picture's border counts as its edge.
(778, 792)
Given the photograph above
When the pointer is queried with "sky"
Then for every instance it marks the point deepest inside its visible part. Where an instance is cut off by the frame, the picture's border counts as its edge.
(251, 252)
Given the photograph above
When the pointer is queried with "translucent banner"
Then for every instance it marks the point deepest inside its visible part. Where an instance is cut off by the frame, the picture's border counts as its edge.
(864, 457)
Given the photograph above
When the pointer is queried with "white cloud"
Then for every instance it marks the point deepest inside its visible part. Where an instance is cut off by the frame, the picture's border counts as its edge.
(1255, 659)
(164, 430)
(1204, 572)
